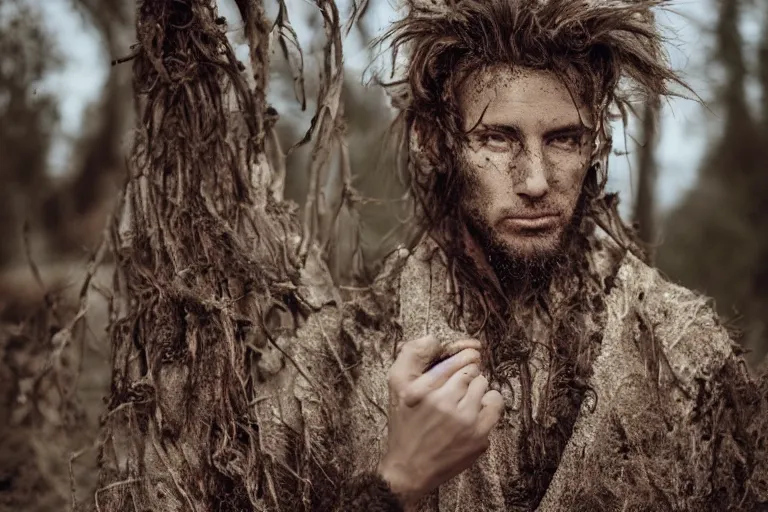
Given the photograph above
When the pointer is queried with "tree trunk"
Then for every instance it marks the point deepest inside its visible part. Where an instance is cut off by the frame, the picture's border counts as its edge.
(758, 335)
(763, 70)
(203, 257)
(645, 204)
(722, 212)
(102, 165)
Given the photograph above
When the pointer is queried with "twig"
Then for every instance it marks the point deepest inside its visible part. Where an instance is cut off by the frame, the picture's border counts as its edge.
(76, 455)
(36, 273)
(110, 487)
(341, 367)
(127, 58)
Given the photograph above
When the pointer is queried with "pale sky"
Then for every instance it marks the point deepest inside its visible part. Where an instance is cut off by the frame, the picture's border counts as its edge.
(686, 124)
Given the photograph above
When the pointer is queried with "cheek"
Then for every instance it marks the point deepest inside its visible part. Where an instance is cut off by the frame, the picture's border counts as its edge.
(482, 160)
(568, 172)
(486, 177)
(487, 169)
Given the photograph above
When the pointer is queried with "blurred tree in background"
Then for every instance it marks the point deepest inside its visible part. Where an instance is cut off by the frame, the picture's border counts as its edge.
(644, 215)
(27, 121)
(715, 240)
(75, 212)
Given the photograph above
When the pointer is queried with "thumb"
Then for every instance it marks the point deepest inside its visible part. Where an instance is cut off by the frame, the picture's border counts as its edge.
(414, 357)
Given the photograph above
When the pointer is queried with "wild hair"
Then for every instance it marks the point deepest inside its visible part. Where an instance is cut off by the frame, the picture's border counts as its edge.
(608, 53)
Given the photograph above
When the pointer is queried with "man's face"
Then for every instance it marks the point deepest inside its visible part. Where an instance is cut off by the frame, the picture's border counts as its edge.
(525, 162)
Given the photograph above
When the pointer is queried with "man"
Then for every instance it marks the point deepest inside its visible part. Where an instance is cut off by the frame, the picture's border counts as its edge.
(522, 357)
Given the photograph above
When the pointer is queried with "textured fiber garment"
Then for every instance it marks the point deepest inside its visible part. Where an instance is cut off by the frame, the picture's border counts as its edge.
(670, 436)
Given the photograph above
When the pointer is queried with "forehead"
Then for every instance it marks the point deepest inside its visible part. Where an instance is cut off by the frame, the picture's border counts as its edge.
(522, 97)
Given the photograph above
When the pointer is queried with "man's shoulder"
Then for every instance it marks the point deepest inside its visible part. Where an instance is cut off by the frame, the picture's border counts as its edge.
(679, 321)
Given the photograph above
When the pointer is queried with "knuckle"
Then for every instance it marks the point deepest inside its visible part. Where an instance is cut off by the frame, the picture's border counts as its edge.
(407, 349)
(493, 398)
(391, 378)
(445, 409)
(472, 354)
(405, 354)
(410, 392)
(404, 395)
(465, 421)
(432, 400)
(423, 345)
(473, 370)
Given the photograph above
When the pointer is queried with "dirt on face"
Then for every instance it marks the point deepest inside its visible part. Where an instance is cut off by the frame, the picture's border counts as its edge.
(526, 157)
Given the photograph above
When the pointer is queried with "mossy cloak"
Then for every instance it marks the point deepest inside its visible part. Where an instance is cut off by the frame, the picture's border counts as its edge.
(686, 433)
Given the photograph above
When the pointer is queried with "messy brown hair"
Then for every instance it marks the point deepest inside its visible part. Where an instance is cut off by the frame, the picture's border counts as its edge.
(608, 54)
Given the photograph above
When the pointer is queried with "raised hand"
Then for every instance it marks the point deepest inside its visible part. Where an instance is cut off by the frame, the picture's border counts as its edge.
(439, 419)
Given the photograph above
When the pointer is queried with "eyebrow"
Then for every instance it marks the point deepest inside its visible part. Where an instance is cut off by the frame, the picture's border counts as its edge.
(513, 130)
(569, 129)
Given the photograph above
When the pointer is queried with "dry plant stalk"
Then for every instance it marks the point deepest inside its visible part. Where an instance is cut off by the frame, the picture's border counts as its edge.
(329, 212)
(203, 253)
(42, 354)
(324, 125)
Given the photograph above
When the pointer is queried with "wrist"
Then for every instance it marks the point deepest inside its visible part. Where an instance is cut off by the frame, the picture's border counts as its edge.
(402, 485)
(370, 492)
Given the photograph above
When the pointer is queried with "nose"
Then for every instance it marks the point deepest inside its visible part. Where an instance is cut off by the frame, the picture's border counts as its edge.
(531, 175)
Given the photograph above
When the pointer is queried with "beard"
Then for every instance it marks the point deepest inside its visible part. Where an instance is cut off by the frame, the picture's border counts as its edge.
(530, 269)
(528, 260)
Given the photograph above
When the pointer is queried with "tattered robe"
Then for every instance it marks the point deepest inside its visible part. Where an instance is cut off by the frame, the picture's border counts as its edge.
(683, 436)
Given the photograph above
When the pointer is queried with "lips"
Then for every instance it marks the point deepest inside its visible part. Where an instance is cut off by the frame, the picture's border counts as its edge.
(537, 222)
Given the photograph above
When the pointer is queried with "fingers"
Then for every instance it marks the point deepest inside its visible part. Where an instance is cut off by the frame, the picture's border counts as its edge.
(438, 376)
(472, 400)
(490, 413)
(454, 347)
(413, 358)
(458, 383)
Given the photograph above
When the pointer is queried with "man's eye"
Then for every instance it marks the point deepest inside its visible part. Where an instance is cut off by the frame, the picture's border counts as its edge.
(495, 141)
(567, 141)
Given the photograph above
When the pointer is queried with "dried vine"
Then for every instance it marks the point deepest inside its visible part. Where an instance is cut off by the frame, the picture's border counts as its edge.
(203, 254)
